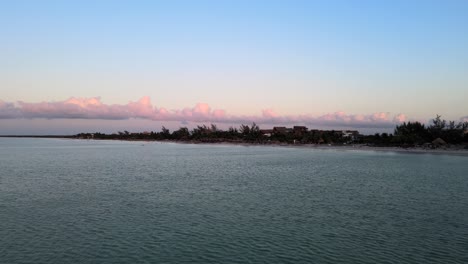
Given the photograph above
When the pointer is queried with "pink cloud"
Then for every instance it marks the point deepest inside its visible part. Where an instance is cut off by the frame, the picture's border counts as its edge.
(94, 108)
(86, 108)
(380, 117)
(84, 102)
(269, 113)
(400, 118)
(219, 114)
(202, 109)
(8, 110)
(142, 108)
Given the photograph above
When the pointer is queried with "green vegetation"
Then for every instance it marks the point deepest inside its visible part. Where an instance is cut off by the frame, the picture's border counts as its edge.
(407, 134)
(245, 133)
(414, 133)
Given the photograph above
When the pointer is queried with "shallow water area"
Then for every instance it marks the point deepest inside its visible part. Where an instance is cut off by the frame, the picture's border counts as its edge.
(81, 201)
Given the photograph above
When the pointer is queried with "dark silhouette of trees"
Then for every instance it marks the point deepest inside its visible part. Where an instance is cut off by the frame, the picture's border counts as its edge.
(181, 134)
(165, 133)
(251, 133)
(437, 127)
(450, 132)
(406, 134)
(411, 133)
(244, 129)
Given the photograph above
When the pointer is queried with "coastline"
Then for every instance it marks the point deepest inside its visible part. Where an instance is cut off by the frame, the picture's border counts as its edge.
(356, 147)
(414, 150)
(452, 151)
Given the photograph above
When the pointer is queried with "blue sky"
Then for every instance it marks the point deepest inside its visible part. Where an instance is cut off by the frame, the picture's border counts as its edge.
(290, 57)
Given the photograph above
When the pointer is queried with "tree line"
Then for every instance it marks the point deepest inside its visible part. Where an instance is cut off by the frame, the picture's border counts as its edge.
(405, 134)
(212, 134)
(416, 133)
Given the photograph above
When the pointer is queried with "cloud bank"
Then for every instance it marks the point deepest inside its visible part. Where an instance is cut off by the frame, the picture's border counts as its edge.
(94, 108)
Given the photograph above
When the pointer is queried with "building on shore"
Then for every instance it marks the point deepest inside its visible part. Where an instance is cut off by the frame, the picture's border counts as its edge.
(299, 131)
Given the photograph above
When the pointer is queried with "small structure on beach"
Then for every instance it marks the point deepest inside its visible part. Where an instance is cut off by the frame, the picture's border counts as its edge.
(438, 142)
(266, 132)
(299, 131)
(280, 130)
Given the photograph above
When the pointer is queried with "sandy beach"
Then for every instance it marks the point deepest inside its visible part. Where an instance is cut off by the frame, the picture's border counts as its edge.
(456, 150)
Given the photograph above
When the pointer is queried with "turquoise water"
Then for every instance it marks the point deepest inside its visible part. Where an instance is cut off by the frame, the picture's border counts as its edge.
(73, 201)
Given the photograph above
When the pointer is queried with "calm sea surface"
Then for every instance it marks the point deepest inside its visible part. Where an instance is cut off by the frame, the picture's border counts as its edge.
(77, 201)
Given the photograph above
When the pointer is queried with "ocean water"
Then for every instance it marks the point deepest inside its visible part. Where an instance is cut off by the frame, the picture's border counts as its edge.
(78, 201)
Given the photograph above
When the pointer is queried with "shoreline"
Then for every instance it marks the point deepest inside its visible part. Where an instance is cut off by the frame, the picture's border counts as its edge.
(354, 147)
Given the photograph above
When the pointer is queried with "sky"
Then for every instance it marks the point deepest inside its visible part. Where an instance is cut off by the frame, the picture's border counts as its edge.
(84, 66)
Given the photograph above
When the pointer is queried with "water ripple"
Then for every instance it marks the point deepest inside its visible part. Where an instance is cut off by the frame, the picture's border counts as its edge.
(115, 202)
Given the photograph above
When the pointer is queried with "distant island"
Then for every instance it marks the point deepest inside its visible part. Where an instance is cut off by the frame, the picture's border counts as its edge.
(408, 134)
(440, 133)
